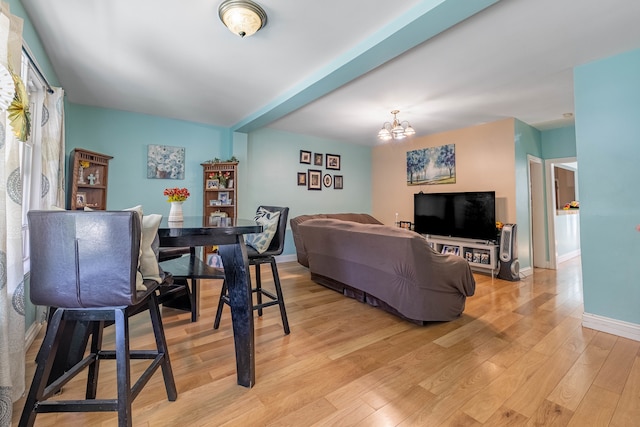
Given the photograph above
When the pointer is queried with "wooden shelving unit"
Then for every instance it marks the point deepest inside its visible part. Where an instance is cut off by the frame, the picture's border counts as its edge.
(89, 179)
(220, 201)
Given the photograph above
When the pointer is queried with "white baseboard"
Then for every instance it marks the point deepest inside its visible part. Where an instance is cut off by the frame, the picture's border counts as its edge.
(32, 333)
(286, 258)
(526, 272)
(567, 257)
(611, 326)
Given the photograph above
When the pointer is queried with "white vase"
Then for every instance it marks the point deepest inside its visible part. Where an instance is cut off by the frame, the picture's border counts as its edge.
(175, 213)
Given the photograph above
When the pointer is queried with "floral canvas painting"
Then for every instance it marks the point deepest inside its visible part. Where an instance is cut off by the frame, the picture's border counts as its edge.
(165, 162)
(432, 165)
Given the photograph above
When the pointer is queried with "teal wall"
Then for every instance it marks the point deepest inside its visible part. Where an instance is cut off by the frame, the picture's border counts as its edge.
(527, 141)
(559, 143)
(607, 101)
(125, 136)
(273, 159)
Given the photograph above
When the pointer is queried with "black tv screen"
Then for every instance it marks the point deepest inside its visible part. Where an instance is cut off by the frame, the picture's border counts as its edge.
(470, 215)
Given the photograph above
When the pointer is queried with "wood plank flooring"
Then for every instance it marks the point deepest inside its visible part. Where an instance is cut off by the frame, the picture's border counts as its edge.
(518, 356)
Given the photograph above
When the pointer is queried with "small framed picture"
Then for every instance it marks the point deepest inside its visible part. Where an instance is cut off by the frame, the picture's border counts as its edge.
(213, 184)
(317, 159)
(314, 180)
(405, 224)
(327, 180)
(337, 182)
(454, 250)
(333, 161)
(302, 178)
(81, 200)
(305, 157)
(223, 196)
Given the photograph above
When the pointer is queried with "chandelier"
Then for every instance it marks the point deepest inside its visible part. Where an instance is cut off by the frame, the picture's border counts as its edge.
(395, 130)
(242, 17)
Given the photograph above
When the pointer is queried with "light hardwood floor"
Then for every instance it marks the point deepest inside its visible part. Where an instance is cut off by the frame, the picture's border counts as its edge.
(517, 356)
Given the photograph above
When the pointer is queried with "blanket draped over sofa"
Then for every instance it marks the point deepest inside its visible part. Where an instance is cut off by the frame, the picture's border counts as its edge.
(389, 267)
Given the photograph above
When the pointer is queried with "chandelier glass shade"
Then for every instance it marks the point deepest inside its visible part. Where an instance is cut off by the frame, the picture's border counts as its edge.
(396, 129)
(242, 17)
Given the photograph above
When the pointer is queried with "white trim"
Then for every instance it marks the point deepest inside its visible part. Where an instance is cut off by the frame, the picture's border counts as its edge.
(286, 258)
(32, 333)
(526, 272)
(570, 255)
(611, 326)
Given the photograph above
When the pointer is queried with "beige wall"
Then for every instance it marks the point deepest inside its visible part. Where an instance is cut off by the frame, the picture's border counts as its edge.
(485, 161)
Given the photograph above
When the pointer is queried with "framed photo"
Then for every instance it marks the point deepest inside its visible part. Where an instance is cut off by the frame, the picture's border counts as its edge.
(223, 196)
(305, 157)
(333, 161)
(327, 180)
(337, 182)
(317, 159)
(302, 178)
(455, 250)
(405, 224)
(81, 200)
(314, 180)
(213, 184)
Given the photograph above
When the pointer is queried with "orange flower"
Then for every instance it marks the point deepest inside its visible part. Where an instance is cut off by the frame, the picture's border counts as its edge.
(176, 194)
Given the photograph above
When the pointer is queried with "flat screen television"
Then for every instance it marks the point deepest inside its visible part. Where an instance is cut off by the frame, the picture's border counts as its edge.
(470, 215)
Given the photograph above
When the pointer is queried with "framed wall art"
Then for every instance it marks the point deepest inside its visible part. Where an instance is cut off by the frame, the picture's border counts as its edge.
(337, 182)
(165, 162)
(314, 180)
(432, 165)
(317, 159)
(302, 178)
(327, 180)
(333, 161)
(305, 157)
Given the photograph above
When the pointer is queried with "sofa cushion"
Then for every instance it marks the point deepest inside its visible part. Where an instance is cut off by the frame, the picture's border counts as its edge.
(269, 221)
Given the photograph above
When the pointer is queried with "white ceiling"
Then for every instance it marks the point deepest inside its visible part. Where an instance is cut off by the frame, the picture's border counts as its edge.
(175, 59)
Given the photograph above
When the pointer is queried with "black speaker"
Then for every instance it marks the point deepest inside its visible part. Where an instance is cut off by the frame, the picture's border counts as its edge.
(508, 254)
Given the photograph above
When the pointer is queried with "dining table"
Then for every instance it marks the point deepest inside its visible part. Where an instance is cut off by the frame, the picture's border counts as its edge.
(228, 235)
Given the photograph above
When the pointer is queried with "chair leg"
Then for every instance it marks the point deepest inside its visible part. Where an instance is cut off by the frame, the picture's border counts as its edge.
(161, 345)
(123, 370)
(94, 367)
(221, 302)
(283, 311)
(258, 289)
(44, 363)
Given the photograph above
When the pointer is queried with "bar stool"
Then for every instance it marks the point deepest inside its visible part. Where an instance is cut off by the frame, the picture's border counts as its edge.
(85, 266)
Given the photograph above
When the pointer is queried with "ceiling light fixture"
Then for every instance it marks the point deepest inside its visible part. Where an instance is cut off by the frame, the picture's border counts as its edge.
(242, 17)
(395, 130)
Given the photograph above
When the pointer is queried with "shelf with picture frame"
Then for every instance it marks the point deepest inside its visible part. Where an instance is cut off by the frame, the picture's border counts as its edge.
(89, 176)
(220, 201)
(481, 256)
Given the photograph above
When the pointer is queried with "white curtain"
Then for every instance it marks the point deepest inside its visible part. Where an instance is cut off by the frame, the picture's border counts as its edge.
(53, 150)
(12, 323)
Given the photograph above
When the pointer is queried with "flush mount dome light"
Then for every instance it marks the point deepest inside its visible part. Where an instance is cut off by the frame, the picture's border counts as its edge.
(242, 17)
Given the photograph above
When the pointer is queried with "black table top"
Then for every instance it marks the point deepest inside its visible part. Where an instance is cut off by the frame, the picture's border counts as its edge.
(202, 231)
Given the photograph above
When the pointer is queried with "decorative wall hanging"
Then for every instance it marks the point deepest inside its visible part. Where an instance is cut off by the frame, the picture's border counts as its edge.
(433, 165)
(314, 180)
(317, 159)
(18, 110)
(305, 157)
(333, 161)
(337, 182)
(165, 162)
(302, 178)
(327, 180)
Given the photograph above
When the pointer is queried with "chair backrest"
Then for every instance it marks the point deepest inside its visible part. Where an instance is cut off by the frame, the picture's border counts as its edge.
(84, 259)
(277, 243)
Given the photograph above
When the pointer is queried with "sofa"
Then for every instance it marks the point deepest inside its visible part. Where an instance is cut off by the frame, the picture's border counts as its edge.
(387, 267)
(301, 254)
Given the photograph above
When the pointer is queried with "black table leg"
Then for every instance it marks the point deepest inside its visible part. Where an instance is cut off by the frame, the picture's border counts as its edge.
(236, 269)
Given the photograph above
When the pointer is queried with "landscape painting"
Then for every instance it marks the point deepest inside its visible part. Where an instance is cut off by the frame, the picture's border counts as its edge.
(432, 165)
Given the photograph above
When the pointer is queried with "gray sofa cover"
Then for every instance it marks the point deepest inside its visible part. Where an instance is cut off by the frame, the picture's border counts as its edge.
(297, 238)
(389, 267)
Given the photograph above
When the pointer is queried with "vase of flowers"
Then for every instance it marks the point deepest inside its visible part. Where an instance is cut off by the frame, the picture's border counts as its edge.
(176, 196)
(222, 177)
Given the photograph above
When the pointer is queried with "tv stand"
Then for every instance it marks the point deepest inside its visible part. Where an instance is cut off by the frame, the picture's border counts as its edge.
(481, 255)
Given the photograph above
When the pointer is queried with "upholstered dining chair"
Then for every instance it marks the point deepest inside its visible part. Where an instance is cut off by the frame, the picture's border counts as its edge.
(85, 267)
(256, 259)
